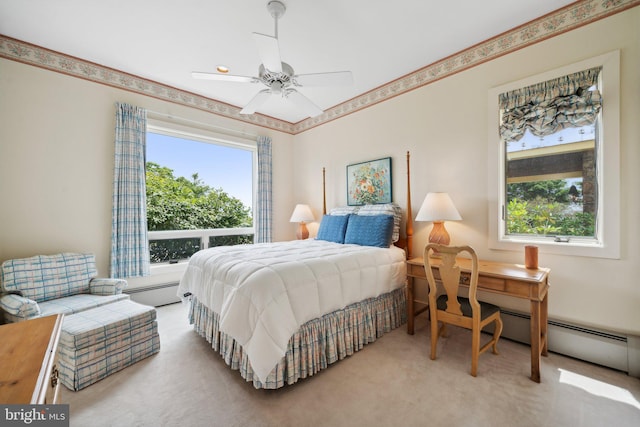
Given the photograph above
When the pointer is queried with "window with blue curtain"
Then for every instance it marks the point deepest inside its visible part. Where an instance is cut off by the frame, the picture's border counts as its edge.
(263, 195)
(129, 242)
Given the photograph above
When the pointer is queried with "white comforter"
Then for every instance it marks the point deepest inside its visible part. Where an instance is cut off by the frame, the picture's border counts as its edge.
(263, 293)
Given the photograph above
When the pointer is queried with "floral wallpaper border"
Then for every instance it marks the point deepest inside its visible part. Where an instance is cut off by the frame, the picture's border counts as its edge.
(562, 20)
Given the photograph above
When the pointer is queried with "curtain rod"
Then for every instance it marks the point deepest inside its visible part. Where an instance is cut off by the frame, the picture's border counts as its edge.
(207, 125)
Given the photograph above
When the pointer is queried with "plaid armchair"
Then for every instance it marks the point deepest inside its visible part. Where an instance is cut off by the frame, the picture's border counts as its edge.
(49, 284)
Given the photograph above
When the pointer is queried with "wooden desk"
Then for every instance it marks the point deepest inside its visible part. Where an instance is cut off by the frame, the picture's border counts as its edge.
(28, 371)
(505, 279)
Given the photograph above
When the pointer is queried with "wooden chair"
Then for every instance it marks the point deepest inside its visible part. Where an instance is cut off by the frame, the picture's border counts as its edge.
(459, 311)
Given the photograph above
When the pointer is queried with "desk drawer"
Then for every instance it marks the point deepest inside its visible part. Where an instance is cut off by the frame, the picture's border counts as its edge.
(484, 283)
(416, 270)
(492, 283)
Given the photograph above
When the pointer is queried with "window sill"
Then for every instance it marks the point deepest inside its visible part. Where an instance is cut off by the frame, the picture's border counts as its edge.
(166, 268)
(593, 249)
(159, 274)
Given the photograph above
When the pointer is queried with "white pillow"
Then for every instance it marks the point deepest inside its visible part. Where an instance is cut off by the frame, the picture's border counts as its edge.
(344, 210)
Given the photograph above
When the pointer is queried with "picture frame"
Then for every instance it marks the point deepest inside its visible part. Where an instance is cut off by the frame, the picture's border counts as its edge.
(369, 182)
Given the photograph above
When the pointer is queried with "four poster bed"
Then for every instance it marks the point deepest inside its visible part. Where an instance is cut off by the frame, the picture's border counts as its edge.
(280, 312)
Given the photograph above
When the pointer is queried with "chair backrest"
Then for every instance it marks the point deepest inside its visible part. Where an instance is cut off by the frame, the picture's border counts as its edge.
(47, 277)
(449, 275)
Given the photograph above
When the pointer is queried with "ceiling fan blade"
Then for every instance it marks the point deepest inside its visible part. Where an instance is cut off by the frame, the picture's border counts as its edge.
(304, 103)
(337, 78)
(269, 52)
(223, 77)
(256, 102)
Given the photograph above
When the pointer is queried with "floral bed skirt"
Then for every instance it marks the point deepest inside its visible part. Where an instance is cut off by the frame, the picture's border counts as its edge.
(317, 343)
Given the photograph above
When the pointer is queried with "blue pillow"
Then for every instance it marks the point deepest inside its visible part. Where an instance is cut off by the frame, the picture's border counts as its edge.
(370, 230)
(332, 228)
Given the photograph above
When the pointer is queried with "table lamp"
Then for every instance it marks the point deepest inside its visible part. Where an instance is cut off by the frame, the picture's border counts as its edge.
(302, 214)
(438, 207)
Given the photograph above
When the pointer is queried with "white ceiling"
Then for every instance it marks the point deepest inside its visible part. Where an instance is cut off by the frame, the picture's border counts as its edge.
(164, 40)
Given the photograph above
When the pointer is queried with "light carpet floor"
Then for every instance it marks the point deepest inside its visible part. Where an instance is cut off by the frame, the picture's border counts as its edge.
(391, 382)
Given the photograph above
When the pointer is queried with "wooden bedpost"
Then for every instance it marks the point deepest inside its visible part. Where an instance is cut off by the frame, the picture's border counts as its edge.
(409, 227)
(324, 195)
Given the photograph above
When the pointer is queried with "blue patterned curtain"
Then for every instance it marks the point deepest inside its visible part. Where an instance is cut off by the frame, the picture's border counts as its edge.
(548, 107)
(263, 195)
(129, 241)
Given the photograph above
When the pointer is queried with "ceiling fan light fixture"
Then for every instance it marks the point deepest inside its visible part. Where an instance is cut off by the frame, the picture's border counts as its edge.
(276, 88)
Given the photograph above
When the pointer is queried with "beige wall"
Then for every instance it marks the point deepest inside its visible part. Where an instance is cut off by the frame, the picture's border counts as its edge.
(444, 126)
(56, 161)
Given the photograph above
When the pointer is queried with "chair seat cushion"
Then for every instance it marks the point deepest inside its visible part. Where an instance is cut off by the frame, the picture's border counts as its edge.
(77, 303)
(486, 308)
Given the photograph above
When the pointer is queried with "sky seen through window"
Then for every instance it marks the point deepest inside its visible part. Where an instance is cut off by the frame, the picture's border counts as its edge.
(218, 166)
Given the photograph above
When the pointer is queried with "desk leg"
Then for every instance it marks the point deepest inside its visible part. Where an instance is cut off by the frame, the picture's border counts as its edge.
(536, 335)
(544, 324)
(410, 306)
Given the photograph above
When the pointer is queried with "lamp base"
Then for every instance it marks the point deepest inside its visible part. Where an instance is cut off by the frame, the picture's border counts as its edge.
(438, 235)
(303, 232)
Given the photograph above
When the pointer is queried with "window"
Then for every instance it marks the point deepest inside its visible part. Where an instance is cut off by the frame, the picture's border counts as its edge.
(549, 133)
(199, 191)
(552, 183)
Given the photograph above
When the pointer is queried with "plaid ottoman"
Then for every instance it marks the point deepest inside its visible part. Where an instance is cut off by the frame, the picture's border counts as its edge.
(100, 341)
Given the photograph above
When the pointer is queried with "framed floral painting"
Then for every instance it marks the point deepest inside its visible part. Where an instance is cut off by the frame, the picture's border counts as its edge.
(369, 182)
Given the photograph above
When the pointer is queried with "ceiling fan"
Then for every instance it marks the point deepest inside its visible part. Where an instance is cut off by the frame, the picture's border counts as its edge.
(279, 76)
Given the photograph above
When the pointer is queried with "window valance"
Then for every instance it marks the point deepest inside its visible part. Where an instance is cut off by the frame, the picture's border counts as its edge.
(548, 107)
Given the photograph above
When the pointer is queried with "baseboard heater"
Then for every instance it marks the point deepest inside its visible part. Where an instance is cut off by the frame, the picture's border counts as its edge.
(156, 295)
(617, 351)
